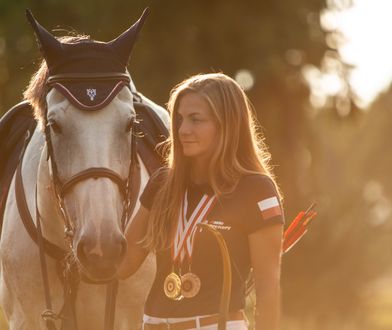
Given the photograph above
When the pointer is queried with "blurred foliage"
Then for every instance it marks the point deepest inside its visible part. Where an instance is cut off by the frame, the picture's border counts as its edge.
(342, 163)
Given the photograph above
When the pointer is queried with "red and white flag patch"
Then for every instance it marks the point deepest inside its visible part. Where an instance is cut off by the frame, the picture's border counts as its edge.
(269, 207)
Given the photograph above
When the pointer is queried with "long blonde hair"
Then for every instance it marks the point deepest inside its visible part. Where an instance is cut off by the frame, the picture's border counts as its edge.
(240, 151)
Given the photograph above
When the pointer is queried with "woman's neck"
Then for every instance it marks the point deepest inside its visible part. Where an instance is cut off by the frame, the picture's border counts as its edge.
(199, 172)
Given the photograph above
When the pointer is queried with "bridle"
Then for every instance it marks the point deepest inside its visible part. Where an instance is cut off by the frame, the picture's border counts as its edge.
(128, 187)
(117, 76)
(62, 57)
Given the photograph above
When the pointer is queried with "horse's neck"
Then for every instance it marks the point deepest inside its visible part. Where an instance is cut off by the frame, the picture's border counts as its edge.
(35, 173)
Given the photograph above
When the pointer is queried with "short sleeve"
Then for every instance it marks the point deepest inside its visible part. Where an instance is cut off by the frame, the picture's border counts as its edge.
(152, 187)
(262, 202)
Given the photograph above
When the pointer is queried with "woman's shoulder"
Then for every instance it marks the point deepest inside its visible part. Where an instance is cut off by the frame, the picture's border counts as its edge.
(254, 203)
(256, 187)
(257, 181)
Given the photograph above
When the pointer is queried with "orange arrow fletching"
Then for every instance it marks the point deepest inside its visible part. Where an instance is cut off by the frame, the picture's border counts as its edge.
(298, 228)
(294, 224)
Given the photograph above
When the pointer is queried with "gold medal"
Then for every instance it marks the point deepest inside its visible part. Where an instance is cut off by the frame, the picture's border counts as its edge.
(190, 285)
(172, 286)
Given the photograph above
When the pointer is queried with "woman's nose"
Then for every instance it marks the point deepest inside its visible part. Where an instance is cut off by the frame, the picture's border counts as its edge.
(184, 128)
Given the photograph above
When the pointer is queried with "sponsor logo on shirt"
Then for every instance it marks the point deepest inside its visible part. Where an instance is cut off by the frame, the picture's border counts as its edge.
(219, 225)
(269, 208)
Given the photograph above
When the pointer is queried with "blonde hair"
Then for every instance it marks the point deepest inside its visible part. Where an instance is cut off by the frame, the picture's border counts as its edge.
(240, 151)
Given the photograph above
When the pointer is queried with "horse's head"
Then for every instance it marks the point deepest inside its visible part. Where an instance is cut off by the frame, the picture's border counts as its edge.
(88, 123)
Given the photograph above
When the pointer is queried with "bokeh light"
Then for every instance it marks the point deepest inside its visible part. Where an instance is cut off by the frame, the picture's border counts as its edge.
(360, 33)
(245, 79)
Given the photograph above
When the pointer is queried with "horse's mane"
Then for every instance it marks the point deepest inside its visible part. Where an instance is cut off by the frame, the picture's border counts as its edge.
(36, 90)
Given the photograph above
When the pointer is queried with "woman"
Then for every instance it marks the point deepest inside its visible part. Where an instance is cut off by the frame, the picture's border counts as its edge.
(217, 172)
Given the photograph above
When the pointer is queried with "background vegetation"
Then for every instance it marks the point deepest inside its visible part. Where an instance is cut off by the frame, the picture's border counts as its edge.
(337, 277)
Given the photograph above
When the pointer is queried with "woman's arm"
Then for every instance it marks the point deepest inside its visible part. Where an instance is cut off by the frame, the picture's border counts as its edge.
(265, 247)
(136, 254)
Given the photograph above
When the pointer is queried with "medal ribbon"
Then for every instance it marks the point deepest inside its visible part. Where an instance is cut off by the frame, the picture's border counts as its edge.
(184, 236)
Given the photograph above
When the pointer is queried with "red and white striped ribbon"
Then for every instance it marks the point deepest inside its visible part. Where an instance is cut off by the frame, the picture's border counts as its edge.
(184, 236)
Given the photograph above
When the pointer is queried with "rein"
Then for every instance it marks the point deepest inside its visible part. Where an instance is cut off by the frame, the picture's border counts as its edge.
(227, 275)
(129, 189)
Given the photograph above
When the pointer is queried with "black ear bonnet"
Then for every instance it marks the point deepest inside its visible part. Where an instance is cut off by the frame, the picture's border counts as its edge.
(88, 73)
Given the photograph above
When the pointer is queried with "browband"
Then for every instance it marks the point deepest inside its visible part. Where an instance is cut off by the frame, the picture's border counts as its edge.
(82, 106)
(102, 76)
(89, 91)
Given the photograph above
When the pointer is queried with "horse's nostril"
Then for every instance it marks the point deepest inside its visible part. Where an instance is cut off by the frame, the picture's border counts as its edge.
(110, 253)
(100, 261)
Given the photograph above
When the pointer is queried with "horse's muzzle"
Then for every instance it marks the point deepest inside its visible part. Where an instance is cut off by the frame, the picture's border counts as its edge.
(100, 260)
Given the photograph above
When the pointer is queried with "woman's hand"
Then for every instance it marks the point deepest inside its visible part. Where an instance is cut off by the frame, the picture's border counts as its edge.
(135, 254)
(265, 247)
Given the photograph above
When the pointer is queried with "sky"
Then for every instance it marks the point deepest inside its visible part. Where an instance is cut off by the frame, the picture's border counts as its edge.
(364, 42)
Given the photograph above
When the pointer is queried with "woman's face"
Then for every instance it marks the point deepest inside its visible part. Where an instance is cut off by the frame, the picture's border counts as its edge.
(197, 128)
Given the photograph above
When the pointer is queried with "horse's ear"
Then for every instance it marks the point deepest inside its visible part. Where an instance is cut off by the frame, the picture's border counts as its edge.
(123, 44)
(50, 47)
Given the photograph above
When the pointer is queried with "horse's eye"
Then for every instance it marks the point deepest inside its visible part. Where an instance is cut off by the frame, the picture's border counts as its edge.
(55, 127)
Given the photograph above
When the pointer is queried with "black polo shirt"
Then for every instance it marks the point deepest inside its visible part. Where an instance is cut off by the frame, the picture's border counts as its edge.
(249, 208)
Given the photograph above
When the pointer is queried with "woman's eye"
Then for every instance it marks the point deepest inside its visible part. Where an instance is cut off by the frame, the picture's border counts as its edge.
(196, 120)
(55, 127)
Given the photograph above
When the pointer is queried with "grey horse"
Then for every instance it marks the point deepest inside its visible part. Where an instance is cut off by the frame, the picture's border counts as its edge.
(82, 98)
